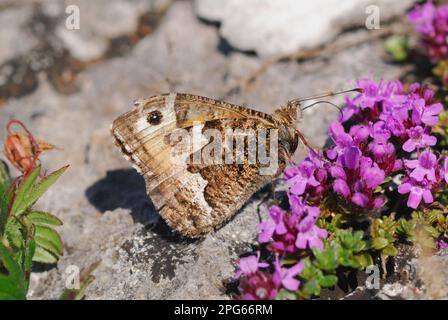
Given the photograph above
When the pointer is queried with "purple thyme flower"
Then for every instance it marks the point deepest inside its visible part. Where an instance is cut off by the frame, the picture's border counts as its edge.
(371, 174)
(422, 17)
(360, 133)
(445, 169)
(384, 120)
(304, 217)
(249, 265)
(274, 224)
(382, 151)
(380, 132)
(418, 139)
(298, 178)
(340, 186)
(424, 167)
(310, 236)
(371, 93)
(360, 199)
(350, 158)
(340, 138)
(423, 113)
(258, 286)
(367, 105)
(432, 23)
(442, 245)
(417, 191)
(287, 276)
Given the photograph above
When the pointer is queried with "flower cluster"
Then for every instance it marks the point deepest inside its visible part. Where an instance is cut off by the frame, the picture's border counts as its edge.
(403, 126)
(289, 231)
(432, 23)
(377, 134)
(286, 233)
(262, 285)
(382, 133)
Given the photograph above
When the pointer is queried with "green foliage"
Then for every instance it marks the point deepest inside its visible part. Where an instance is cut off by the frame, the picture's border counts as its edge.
(397, 47)
(13, 284)
(346, 250)
(406, 228)
(286, 295)
(49, 244)
(5, 194)
(23, 222)
(383, 235)
(30, 191)
(428, 226)
(26, 235)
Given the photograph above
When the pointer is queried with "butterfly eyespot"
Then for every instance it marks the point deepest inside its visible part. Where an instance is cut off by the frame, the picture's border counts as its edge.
(155, 117)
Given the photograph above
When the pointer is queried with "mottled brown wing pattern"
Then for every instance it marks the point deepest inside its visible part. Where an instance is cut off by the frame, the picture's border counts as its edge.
(192, 199)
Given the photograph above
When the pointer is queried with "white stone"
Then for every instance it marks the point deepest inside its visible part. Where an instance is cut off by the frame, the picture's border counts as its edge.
(100, 20)
(211, 10)
(12, 25)
(271, 27)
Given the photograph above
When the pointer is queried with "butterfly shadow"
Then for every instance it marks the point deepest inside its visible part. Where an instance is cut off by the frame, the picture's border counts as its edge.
(125, 189)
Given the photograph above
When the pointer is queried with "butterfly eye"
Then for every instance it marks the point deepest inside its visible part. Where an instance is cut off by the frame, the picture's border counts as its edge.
(155, 117)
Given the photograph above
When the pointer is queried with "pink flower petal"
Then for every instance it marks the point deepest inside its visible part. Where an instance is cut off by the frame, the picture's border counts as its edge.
(415, 197)
(404, 188)
(409, 145)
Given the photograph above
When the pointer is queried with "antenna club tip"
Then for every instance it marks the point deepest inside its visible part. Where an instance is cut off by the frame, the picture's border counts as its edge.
(360, 90)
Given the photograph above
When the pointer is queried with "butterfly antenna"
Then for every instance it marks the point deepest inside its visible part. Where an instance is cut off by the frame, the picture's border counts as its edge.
(324, 95)
(327, 94)
(327, 102)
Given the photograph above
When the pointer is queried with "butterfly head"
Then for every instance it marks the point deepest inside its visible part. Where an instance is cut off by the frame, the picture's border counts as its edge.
(288, 114)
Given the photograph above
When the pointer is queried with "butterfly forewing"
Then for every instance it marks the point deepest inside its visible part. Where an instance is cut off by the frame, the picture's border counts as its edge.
(192, 198)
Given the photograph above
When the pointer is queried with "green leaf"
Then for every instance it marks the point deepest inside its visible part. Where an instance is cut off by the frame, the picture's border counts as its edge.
(40, 218)
(434, 216)
(363, 260)
(325, 260)
(43, 256)
(13, 233)
(9, 290)
(310, 288)
(286, 295)
(351, 240)
(13, 285)
(49, 240)
(379, 243)
(432, 231)
(397, 47)
(345, 258)
(406, 228)
(37, 190)
(328, 281)
(5, 179)
(5, 195)
(9, 264)
(23, 190)
(309, 270)
(390, 250)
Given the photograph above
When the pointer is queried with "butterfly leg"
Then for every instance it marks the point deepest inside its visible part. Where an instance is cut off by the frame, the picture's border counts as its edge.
(306, 143)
